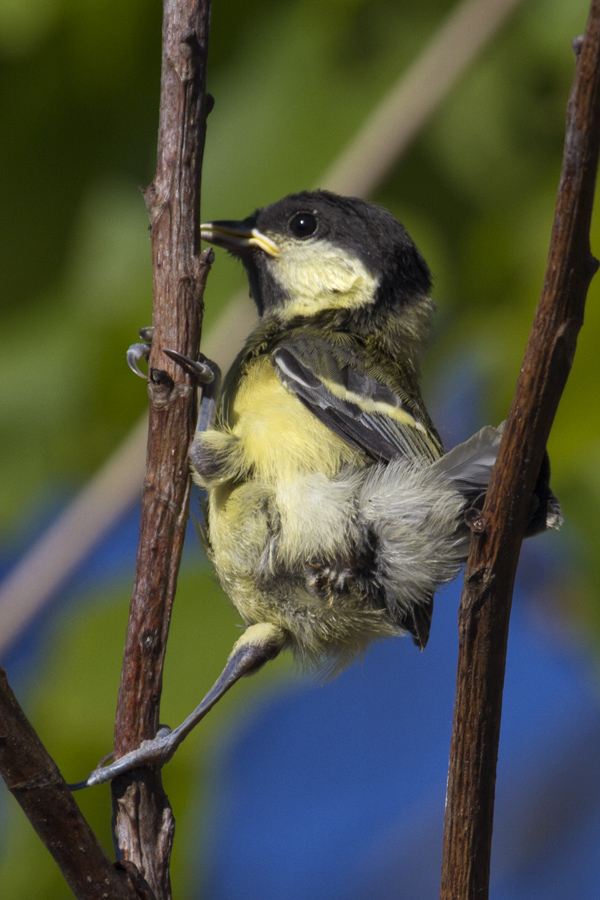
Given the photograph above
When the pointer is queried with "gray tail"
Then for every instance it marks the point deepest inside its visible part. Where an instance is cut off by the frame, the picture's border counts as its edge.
(469, 466)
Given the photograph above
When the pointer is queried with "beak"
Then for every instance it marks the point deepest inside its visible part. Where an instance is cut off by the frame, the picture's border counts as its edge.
(237, 237)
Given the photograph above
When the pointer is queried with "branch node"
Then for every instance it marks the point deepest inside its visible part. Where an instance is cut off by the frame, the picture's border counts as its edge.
(41, 780)
(186, 62)
(202, 265)
(474, 575)
(566, 338)
(164, 391)
(479, 582)
(150, 641)
(160, 388)
(154, 205)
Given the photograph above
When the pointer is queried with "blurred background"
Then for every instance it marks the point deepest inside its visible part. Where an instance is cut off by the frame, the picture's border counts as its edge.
(289, 788)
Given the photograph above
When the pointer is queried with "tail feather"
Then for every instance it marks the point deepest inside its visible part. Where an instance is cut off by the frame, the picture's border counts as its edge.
(469, 467)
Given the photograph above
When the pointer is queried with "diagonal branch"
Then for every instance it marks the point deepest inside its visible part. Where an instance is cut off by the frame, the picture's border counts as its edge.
(490, 572)
(33, 778)
(143, 822)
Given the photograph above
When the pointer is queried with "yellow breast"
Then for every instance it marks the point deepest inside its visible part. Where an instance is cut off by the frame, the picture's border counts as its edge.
(281, 437)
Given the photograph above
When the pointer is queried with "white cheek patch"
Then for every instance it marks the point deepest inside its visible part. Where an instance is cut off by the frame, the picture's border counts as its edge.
(319, 276)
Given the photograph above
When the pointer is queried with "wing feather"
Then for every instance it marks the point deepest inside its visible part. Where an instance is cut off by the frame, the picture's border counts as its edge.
(379, 419)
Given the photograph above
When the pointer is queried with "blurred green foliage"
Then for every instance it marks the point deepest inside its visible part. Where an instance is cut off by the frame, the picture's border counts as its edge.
(293, 82)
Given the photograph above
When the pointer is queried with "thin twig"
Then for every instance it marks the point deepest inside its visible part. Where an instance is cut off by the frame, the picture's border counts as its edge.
(378, 145)
(143, 822)
(489, 576)
(33, 778)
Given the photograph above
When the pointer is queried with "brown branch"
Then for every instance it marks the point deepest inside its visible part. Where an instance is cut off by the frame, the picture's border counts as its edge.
(35, 781)
(489, 577)
(143, 821)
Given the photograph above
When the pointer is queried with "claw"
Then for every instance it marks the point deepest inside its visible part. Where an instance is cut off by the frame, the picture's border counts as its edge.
(154, 752)
(134, 354)
(200, 369)
(140, 351)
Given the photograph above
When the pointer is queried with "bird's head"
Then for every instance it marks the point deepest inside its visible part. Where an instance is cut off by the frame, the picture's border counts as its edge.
(317, 251)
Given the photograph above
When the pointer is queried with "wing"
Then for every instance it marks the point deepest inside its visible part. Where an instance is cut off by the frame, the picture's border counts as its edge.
(382, 420)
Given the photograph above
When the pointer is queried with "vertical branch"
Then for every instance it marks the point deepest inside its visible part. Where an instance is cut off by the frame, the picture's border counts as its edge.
(143, 821)
(485, 605)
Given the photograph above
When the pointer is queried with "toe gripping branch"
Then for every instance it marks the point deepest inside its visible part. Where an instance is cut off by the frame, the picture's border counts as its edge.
(208, 375)
(203, 370)
(257, 646)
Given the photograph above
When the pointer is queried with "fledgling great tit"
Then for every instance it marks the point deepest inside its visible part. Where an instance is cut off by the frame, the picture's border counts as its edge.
(333, 514)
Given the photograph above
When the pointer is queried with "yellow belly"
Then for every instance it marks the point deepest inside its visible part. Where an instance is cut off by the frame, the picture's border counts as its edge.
(289, 507)
(282, 438)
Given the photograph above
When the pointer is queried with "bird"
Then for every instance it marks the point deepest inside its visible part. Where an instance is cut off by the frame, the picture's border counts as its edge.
(333, 514)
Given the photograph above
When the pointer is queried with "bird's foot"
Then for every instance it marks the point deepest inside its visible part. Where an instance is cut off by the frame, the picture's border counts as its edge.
(257, 645)
(203, 370)
(328, 581)
(155, 752)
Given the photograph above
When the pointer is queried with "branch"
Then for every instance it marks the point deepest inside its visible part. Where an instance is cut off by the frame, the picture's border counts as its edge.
(489, 577)
(35, 781)
(143, 820)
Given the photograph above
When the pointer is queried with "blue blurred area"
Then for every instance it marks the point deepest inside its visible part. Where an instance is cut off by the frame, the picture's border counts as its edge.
(110, 562)
(338, 791)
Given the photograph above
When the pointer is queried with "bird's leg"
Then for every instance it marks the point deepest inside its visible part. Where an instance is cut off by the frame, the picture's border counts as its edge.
(208, 375)
(257, 645)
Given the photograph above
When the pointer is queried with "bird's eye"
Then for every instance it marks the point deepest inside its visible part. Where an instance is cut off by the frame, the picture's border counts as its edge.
(303, 224)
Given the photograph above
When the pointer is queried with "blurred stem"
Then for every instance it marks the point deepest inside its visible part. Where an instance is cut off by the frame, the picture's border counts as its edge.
(143, 821)
(489, 577)
(410, 104)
